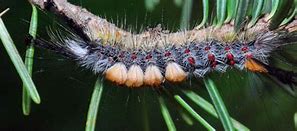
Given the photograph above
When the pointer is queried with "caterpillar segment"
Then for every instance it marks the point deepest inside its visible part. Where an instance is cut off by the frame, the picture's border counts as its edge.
(140, 68)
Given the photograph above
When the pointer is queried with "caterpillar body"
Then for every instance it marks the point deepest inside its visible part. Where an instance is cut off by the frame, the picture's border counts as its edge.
(156, 55)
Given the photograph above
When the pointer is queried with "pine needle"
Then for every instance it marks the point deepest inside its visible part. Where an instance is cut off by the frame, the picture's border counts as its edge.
(219, 105)
(18, 63)
(26, 102)
(166, 115)
(94, 105)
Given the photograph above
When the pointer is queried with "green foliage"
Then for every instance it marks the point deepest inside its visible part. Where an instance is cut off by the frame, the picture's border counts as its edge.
(241, 11)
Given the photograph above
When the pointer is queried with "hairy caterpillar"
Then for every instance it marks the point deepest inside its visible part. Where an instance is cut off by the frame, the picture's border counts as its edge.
(156, 55)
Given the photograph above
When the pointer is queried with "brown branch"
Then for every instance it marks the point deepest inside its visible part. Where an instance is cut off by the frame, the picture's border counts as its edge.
(90, 24)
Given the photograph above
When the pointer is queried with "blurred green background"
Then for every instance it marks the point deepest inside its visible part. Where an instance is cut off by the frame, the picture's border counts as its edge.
(65, 89)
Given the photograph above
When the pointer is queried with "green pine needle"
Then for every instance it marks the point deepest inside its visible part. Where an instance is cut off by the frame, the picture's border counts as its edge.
(151, 4)
(166, 115)
(94, 105)
(193, 113)
(205, 13)
(178, 3)
(185, 116)
(275, 4)
(26, 102)
(219, 105)
(186, 14)
(198, 100)
(257, 9)
(242, 7)
(231, 4)
(221, 12)
(290, 17)
(295, 120)
(18, 62)
(283, 9)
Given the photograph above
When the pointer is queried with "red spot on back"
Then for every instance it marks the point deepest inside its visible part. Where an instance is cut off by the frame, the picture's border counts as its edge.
(213, 64)
(133, 56)
(232, 62)
(149, 56)
(211, 57)
(249, 55)
(227, 48)
(207, 48)
(168, 53)
(230, 56)
(244, 49)
(122, 55)
(191, 60)
(187, 51)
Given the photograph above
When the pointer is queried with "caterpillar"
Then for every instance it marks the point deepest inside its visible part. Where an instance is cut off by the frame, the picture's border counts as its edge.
(156, 56)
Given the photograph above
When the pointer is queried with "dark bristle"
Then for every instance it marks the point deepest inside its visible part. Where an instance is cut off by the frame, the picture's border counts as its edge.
(286, 77)
(283, 76)
(48, 4)
(41, 43)
(28, 39)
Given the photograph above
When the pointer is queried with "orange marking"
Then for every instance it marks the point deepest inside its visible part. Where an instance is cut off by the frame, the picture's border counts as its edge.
(118, 36)
(253, 66)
